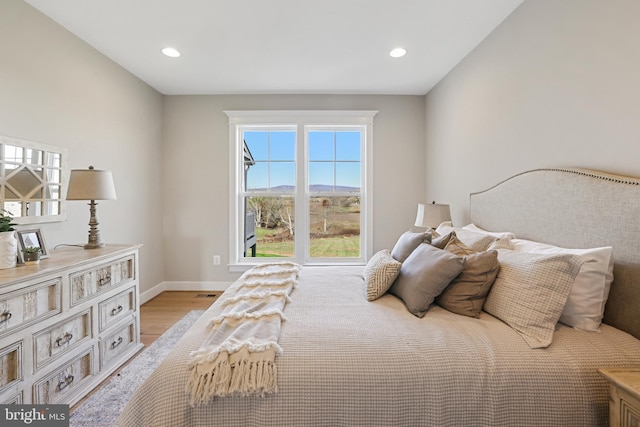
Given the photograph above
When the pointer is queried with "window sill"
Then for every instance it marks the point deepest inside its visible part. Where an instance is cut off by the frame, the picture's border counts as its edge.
(242, 267)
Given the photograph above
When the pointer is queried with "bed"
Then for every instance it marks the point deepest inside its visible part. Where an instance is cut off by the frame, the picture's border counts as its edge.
(348, 361)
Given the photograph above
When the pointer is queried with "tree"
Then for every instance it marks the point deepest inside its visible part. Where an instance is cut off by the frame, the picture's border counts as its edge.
(272, 212)
(285, 218)
(326, 206)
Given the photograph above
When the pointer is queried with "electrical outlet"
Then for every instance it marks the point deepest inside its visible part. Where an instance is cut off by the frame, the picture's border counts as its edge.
(216, 260)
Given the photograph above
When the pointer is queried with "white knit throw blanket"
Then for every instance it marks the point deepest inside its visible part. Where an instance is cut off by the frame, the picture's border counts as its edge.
(238, 356)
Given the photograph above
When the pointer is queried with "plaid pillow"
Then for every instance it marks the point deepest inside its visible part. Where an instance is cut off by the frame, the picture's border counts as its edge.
(530, 292)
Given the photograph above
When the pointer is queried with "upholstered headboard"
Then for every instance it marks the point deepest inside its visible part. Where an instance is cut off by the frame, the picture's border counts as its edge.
(574, 208)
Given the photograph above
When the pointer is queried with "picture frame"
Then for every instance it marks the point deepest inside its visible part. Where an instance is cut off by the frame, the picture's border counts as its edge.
(32, 237)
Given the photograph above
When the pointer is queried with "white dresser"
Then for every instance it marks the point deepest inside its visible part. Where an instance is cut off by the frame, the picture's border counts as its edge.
(67, 323)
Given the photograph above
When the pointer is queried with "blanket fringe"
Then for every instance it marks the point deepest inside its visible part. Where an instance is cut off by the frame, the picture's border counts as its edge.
(242, 377)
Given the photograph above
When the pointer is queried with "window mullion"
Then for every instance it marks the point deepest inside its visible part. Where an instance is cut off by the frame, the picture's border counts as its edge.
(301, 202)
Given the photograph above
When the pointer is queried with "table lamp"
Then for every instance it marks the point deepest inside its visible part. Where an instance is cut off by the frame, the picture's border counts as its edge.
(432, 215)
(91, 184)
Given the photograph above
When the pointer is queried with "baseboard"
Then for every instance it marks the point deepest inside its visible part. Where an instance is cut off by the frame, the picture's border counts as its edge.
(182, 286)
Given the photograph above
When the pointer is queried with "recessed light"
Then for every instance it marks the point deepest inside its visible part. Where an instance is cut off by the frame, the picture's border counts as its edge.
(171, 52)
(398, 52)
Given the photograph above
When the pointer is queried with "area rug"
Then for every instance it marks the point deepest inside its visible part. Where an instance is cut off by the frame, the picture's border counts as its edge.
(104, 406)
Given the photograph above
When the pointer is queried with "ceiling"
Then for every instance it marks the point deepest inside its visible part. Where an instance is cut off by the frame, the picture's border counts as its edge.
(283, 46)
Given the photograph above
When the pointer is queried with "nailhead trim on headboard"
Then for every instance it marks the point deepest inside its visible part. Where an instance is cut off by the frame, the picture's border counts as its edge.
(578, 171)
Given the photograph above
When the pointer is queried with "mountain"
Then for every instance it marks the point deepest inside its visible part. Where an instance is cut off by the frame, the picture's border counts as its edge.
(314, 188)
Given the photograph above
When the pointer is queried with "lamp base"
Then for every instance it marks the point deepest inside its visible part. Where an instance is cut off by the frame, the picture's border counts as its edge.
(94, 234)
(94, 245)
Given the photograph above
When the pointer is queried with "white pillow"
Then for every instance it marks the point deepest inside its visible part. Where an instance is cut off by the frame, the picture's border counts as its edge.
(585, 305)
(498, 234)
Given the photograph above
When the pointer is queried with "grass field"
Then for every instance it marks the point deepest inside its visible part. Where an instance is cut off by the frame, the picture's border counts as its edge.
(334, 227)
(330, 247)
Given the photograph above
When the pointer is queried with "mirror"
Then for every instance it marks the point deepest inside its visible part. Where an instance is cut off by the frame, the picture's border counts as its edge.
(32, 177)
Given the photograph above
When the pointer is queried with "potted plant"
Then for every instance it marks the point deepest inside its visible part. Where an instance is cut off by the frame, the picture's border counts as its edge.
(6, 221)
(8, 241)
(31, 254)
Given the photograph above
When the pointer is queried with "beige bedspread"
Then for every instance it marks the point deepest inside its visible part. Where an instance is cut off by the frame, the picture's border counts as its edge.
(349, 362)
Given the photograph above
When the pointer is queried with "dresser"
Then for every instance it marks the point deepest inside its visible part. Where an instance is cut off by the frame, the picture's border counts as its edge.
(624, 401)
(67, 323)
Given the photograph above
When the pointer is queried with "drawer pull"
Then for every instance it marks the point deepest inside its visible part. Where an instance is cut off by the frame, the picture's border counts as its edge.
(117, 310)
(64, 339)
(5, 316)
(117, 342)
(104, 280)
(65, 383)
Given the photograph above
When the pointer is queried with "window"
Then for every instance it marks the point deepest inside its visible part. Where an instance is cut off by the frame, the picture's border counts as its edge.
(301, 186)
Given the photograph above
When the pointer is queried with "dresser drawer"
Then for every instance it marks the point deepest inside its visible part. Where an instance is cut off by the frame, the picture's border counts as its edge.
(118, 342)
(10, 365)
(64, 381)
(90, 282)
(116, 308)
(61, 338)
(29, 305)
(630, 412)
(14, 400)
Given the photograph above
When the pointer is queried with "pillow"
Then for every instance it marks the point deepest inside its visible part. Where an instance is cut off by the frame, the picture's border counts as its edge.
(474, 240)
(530, 292)
(379, 274)
(498, 234)
(407, 242)
(467, 292)
(455, 246)
(439, 241)
(585, 305)
(501, 243)
(423, 275)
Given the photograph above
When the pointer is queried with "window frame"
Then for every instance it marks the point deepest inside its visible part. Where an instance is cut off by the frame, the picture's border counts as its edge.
(303, 121)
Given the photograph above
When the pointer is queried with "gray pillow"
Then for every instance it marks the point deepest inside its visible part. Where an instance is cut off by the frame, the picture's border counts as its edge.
(407, 242)
(423, 275)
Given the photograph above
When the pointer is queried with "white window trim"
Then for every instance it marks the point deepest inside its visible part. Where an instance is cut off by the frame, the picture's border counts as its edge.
(300, 118)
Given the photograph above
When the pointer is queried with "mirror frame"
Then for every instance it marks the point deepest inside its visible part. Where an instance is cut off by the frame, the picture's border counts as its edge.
(64, 177)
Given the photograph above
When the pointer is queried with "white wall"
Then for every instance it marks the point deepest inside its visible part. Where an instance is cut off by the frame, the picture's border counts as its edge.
(196, 171)
(555, 85)
(55, 89)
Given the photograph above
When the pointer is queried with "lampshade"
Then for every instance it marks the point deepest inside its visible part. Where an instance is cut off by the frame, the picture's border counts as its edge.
(91, 184)
(432, 215)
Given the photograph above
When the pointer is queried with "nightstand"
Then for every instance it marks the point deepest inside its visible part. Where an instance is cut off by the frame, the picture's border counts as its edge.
(624, 396)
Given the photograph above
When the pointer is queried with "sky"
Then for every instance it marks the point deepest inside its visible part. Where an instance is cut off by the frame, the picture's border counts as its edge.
(334, 158)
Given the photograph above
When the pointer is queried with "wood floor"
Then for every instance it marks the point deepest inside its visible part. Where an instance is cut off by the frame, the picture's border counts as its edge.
(162, 312)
